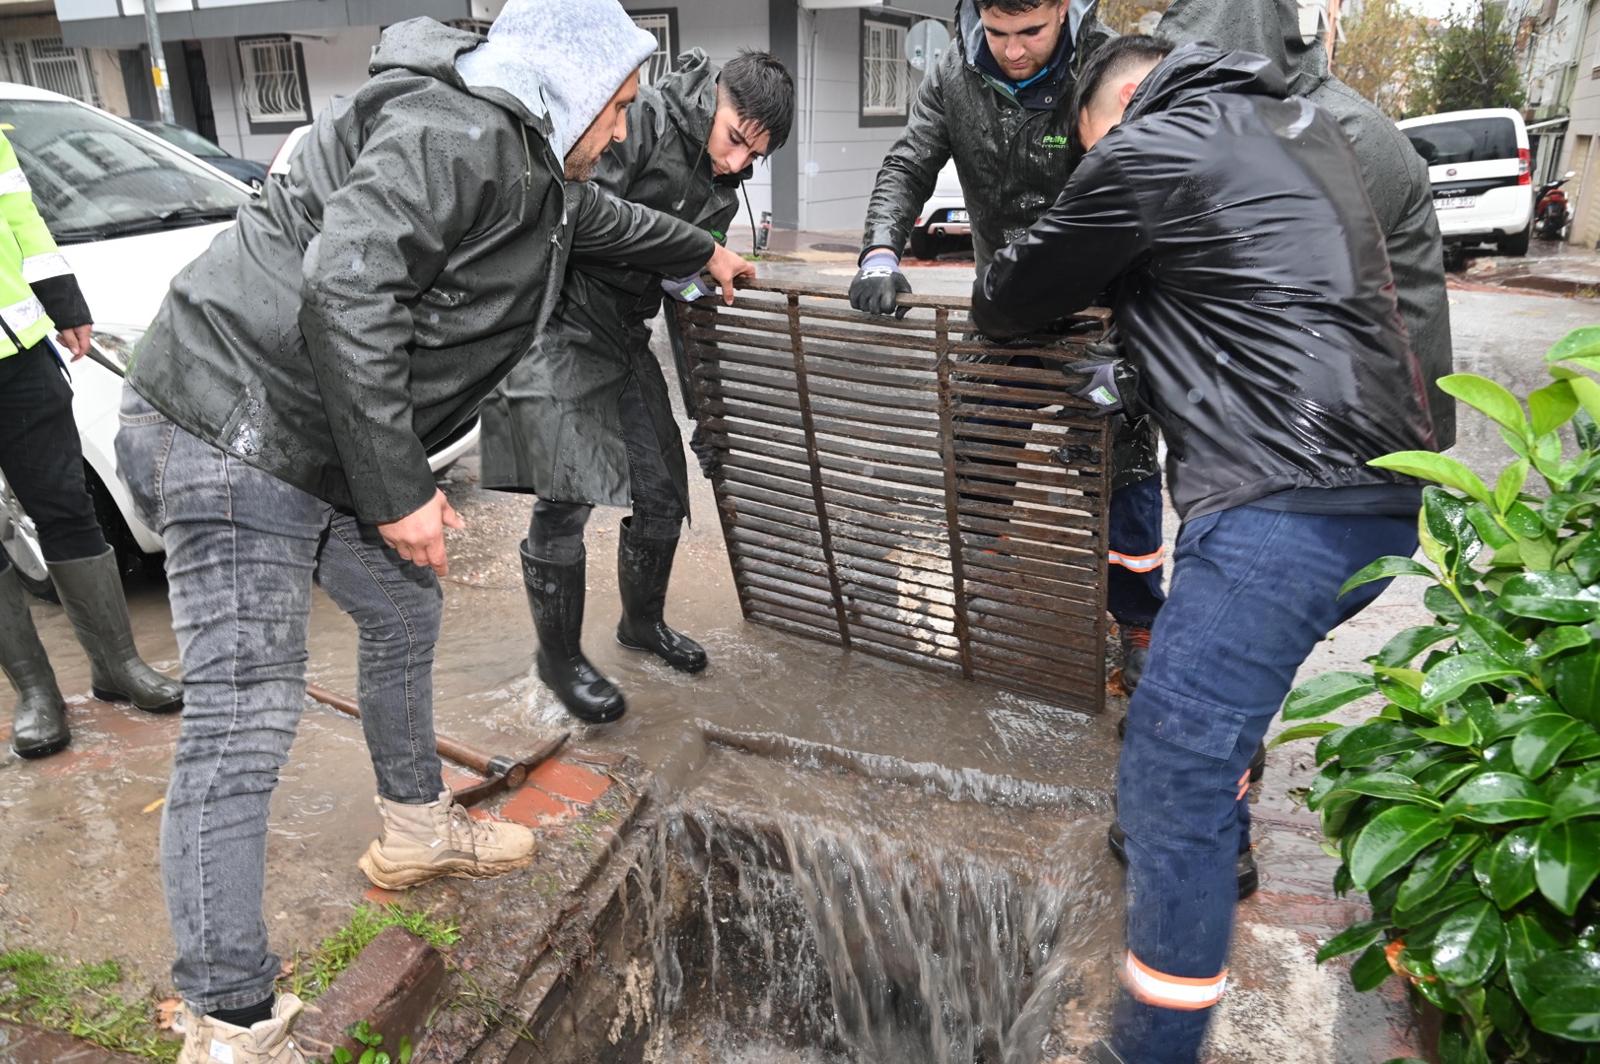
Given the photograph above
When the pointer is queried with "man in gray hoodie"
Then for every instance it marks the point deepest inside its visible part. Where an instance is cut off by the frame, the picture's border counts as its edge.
(276, 430)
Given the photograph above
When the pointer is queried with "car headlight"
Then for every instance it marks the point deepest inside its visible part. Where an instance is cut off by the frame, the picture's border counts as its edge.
(112, 347)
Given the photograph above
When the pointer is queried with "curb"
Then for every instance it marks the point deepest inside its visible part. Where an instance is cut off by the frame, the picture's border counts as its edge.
(29, 1045)
(392, 985)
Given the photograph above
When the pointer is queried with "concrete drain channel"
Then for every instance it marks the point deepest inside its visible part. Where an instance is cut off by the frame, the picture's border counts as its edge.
(782, 922)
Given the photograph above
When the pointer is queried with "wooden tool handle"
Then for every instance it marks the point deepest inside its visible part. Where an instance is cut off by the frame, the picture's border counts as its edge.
(461, 753)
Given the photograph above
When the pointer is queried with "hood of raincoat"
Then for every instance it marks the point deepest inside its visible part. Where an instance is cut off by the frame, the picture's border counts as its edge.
(1288, 32)
(560, 60)
(689, 101)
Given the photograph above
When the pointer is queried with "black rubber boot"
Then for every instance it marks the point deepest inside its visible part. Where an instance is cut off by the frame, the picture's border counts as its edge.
(39, 723)
(643, 568)
(1135, 652)
(91, 593)
(1249, 875)
(555, 597)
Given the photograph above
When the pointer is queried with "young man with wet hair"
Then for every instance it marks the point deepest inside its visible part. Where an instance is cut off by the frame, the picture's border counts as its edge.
(999, 102)
(276, 429)
(1257, 305)
(586, 418)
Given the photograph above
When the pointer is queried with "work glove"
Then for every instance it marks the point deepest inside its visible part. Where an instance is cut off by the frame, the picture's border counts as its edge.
(1106, 380)
(686, 289)
(705, 449)
(879, 283)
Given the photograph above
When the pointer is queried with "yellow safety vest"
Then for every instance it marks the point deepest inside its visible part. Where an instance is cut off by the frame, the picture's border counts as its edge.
(27, 254)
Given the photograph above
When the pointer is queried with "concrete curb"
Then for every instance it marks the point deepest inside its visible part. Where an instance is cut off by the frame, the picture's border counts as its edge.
(29, 1045)
(391, 985)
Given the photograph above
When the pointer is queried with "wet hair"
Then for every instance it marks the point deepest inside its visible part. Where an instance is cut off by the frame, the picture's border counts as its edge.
(1115, 59)
(1014, 7)
(762, 92)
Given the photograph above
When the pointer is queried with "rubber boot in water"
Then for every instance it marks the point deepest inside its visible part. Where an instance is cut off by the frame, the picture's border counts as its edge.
(555, 597)
(91, 593)
(643, 568)
(39, 723)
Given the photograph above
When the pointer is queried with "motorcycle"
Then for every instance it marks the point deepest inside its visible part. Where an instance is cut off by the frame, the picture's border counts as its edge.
(1551, 214)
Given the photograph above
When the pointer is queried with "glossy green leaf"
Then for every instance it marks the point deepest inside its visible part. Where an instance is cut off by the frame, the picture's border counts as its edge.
(1467, 946)
(1509, 485)
(1404, 647)
(1566, 969)
(1444, 516)
(1570, 1014)
(1323, 694)
(1452, 676)
(1441, 469)
(1575, 347)
(1511, 866)
(1549, 597)
(1391, 840)
(1442, 604)
(1383, 569)
(1587, 392)
(1389, 785)
(1551, 407)
(1586, 559)
(1528, 938)
(1579, 797)
(1559, 640)
(1585, 748)
(1506, 718)
(1488, 529)
(1366, 743)
(1482, 633)
(1576, 680)
(1488, 396)
(1541, 742)
(1524, 524)
(1438, 780)
(1315, 729)
(1433, 869)
(1496, 798)
(1459, 732)
(1566, 861)
(1370, 969)
(1403, 687)
(1351, 939)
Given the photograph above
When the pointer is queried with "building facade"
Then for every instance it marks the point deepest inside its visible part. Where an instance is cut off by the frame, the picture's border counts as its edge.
(245, 72)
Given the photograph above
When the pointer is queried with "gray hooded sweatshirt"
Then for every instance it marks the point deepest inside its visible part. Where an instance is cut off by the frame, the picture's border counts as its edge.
(365, 305)
(1395, 176)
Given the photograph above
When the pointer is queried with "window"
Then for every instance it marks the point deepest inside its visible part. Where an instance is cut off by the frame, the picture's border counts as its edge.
(663, 25)
(471, 25)
(275, 92)
(45, 63)
(885, 74)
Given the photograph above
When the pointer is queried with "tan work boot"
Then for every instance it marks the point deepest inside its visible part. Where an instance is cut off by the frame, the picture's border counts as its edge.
(210, 1041)
(423, 842)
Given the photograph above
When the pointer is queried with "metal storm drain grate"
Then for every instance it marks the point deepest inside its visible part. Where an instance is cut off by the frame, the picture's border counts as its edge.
(897, 488)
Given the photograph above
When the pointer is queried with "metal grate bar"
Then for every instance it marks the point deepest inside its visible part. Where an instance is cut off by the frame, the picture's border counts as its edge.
(900, 488)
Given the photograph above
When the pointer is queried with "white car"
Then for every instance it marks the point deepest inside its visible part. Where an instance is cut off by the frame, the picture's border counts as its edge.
(1482, 175)
(129, 211)
(944, 215)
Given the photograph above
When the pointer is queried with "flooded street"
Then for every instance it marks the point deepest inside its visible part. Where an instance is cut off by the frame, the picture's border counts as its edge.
(801, 733)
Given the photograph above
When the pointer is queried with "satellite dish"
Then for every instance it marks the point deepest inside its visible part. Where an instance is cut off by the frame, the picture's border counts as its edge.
(925, 43)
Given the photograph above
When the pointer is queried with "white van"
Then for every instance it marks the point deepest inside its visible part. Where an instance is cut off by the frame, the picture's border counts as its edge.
(1482, 175)
(129, 211)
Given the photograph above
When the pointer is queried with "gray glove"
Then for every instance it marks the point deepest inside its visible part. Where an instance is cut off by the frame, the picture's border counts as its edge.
(705, 449)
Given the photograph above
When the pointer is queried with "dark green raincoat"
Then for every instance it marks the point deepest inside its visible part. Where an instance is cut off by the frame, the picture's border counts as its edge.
(554, 427)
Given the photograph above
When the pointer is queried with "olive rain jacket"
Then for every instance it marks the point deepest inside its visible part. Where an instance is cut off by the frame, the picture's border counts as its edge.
(1255, 300)
(1395, 176)
(363, 308)
(554, 427)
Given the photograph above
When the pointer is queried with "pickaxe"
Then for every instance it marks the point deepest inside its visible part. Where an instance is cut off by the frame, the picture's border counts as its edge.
(500, 771)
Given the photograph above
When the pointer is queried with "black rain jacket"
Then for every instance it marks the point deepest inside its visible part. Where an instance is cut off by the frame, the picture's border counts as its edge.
(1250, 284)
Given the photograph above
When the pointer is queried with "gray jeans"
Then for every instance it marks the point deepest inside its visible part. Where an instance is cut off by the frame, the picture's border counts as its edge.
(243, 549)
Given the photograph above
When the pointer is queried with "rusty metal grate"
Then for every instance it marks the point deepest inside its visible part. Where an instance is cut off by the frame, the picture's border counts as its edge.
(882, 490)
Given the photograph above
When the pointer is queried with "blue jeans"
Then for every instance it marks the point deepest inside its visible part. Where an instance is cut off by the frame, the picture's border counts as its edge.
(1253, 592)
(243, 549)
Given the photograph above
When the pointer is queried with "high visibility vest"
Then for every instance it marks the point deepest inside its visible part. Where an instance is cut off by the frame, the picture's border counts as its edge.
(28, 255)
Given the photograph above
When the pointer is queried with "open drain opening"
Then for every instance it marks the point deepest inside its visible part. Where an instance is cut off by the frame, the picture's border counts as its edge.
(774, 940)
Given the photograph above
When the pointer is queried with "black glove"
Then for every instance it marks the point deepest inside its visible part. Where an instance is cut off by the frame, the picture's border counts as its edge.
(705, 448)
(878, 285)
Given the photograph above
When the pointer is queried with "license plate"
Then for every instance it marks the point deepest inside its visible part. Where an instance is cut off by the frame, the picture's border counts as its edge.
(956, 216)
(1450, 202)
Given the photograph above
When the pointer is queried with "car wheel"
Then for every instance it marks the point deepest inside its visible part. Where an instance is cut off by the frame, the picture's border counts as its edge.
(20, 540)
(923, 244)
(1515, 245)
(131, 559)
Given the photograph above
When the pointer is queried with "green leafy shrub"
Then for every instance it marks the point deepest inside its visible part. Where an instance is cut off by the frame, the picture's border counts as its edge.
(1468, 808)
